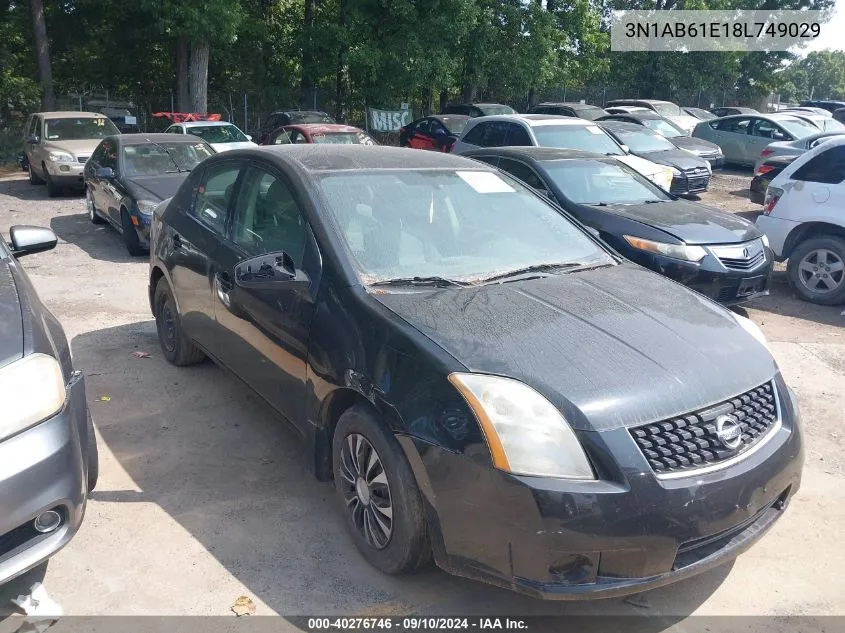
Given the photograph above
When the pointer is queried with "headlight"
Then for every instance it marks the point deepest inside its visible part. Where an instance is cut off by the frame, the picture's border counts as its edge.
(678, 251)
(525, 433)
(765, 239)
(146, 206)
(61, 157)
(749, 326)
(31, 390)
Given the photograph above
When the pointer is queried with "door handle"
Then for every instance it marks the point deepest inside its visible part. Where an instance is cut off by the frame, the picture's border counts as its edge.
(177, 241)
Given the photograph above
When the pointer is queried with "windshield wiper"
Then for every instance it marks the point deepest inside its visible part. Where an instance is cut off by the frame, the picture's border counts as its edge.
(179, 169)
(437, 282)
(541, 268)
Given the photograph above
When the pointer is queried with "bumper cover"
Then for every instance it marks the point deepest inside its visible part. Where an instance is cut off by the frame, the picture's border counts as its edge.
(625, 533)
(43, 468)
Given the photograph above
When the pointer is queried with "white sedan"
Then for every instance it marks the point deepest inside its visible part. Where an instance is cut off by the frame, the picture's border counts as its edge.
(220, 135)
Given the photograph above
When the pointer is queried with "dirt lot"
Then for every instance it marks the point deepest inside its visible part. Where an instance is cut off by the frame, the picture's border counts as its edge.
(203, 495)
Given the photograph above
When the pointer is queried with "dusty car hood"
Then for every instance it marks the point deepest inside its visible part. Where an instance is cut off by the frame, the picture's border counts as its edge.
(11, 322)
(611, 347)
(155, 188)
(85, 147)
(679, 158)
(693, 144)
(689, 221)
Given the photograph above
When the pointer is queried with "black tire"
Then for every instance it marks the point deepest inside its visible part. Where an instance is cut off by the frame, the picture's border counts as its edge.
(804, 263)
(93, 456)
(92, 210)
(52, 190)
(177, 349)
(406, 547)
(130, 235)
(34, 179)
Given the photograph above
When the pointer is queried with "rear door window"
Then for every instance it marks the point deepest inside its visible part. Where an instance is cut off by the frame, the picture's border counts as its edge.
(213, 195)
(827, 167)
(735, 126)
(523, 172)
(476, 134)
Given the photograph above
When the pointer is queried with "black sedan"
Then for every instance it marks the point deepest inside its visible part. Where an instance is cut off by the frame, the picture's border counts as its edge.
(710, 152)
(690, 174)
(48, 450)
(128, 175)
(765, 173)
(438, 132)
(579, 110)
(485, 381)
(718, 254)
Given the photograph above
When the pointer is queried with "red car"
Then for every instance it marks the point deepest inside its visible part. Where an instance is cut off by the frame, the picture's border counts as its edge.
(437, 132)
(330, 133)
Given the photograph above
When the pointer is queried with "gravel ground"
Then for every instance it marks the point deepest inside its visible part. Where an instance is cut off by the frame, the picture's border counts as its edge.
(203, 495)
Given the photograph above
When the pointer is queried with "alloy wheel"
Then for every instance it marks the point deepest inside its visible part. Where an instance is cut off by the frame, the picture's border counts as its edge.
(821, 271)
(366, 491)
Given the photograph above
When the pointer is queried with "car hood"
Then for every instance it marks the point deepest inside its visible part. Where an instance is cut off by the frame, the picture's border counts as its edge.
(225, 147)
(85, 147)
(689, 221)
(643, 166)
(11, 321)
(697, 145)
(155, 188)
(612, 347)
(679, 158)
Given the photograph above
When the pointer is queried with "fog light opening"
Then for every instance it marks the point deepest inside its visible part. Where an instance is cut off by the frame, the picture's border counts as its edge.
(47, 522)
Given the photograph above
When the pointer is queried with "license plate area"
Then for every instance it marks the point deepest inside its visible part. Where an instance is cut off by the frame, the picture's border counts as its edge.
(750, 286)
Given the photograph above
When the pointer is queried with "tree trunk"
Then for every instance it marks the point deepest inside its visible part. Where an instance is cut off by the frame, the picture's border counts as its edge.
(532, 97)
(183, 92)
(340, 87)
(444, 100)
(42, 55)
(306, 87)
(469, 90)
(200, 51)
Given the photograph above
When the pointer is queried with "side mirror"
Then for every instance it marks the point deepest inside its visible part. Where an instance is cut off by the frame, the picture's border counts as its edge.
(265, 270)
(106, 173)
(31, 239)
(33, 139)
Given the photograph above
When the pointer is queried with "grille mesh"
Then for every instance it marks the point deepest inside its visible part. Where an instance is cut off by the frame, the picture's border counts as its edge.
(690, 441)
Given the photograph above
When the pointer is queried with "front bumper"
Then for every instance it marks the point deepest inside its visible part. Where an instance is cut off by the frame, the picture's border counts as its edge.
(66, 174)
(685, 184)
(625, 533)
(716, 163)
(777, 230)
(43, 468)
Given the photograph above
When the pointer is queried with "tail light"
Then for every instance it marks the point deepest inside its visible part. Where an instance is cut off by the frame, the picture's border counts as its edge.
(763, 169)
(773, 194)
(766, 152)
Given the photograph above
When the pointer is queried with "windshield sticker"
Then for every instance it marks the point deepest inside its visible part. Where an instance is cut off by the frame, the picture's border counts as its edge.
(485, 182)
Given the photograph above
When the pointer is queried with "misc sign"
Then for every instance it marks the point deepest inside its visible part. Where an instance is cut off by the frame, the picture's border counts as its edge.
(387, 120)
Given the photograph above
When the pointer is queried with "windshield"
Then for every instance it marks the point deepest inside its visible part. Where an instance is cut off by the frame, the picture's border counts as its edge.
(799, 128)
(667, 109)
(464, 225)
(595, 182)
(644, 141)
(455, 126)
(342, 138)
(309, 117)
(78, 129)
(490, 110)
(663, 128)
(589, 138)
(218, 133)
(163, 158)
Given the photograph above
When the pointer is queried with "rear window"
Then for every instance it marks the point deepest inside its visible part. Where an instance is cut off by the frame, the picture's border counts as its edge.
(342, 138)
(309, 117)
(455, 126)
(828, 167)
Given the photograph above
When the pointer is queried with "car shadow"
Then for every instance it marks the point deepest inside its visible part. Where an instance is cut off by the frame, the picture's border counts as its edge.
(99, 241)
(205, 449)
(784, 302)
(20, 188)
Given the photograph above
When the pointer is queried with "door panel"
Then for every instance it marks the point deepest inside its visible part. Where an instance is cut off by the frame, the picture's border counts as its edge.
(263, 332)
(196, 224)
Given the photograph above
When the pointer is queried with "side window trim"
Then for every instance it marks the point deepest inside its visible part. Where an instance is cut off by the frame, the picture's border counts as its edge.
(190, 209)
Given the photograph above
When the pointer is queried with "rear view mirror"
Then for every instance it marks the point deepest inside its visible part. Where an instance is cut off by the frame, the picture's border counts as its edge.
(31, 239)
(105, 173)
(265, 270)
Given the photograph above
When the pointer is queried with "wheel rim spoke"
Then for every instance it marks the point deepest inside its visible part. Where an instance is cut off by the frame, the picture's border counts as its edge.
(366, 490)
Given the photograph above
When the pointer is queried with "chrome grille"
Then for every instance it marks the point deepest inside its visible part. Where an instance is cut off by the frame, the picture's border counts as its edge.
(743, 257)
(690, 442)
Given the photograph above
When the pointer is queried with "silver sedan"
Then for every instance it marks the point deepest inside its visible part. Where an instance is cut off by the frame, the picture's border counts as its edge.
(794, 148)
(743, 136)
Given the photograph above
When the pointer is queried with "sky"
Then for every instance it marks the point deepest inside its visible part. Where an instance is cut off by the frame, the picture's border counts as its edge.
(831, 37)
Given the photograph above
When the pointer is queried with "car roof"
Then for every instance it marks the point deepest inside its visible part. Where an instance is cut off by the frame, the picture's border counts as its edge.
(295, 111)
(569, 104)
(533, 120)
(190, 124)
(539, 154)
(160, 137)
(317, 157)
(443, 117)
(64, 114)
(323, 127)
(624, 101)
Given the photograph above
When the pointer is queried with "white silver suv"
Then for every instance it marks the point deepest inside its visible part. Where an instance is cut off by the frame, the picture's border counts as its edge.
(546, 130)
(804, 219)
